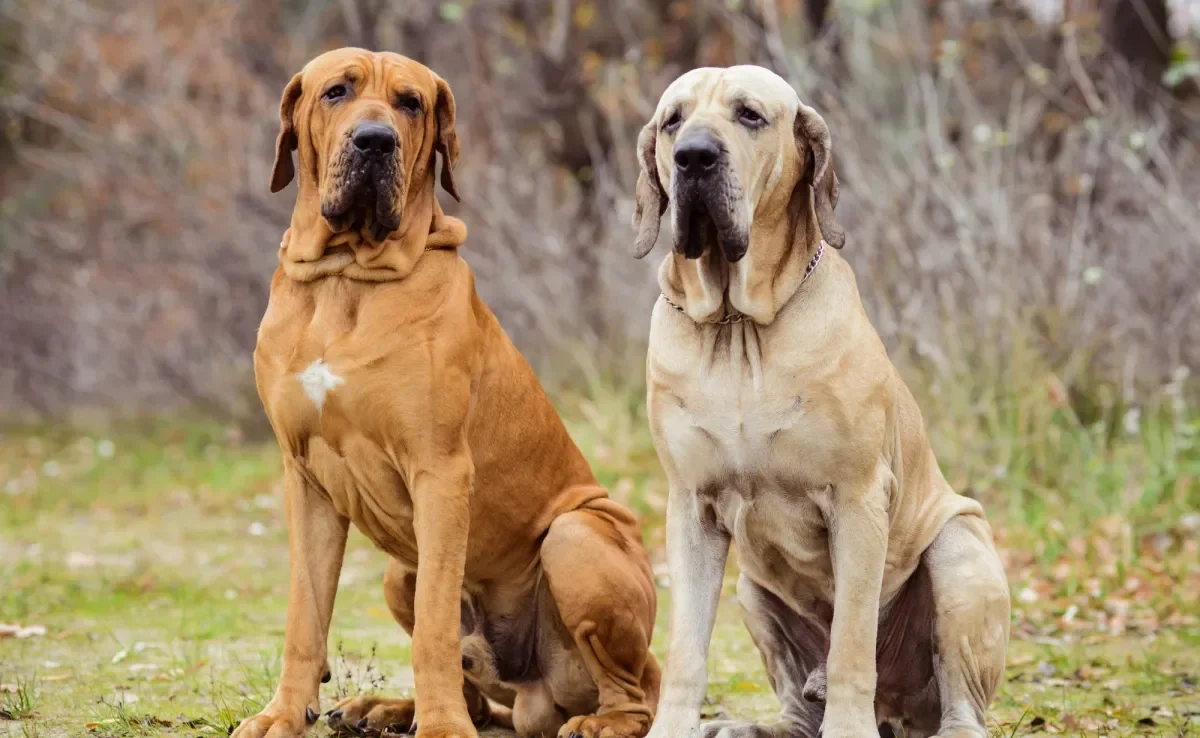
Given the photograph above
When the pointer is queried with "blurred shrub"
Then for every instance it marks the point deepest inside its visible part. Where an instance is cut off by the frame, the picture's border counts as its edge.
(1006, 183)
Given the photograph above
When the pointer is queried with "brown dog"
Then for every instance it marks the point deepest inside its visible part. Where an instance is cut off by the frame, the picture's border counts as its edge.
(401, 406)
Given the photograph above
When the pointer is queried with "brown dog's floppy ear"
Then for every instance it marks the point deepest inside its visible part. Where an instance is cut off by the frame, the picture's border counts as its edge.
(811, 132)
(446, 143)
(650, 200)
(285, 144)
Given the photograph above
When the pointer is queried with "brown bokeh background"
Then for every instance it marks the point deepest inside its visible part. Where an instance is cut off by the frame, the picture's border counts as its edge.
(1017, 179)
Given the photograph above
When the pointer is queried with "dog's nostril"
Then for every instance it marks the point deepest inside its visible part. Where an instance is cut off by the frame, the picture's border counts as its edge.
(697, 155)
(374, 138)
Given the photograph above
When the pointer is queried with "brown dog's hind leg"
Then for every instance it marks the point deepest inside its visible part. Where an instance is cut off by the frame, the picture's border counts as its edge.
(793, 648)
(374, 713)
(971, 600)
(599, 576)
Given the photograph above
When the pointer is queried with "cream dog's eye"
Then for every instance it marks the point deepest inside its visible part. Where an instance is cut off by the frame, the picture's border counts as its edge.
(750, 118)
(672, 122)
(337, 92)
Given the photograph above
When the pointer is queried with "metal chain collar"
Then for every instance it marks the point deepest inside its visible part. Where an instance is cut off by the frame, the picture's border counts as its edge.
(736, 317)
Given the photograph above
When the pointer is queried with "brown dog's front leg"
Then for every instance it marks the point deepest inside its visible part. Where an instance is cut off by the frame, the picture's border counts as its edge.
(858, 544)
(442, 517)
(317, 542)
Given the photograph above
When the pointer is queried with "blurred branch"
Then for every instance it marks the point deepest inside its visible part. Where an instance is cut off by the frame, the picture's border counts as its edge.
(990, 167)
(362, 21)
(1078, 73)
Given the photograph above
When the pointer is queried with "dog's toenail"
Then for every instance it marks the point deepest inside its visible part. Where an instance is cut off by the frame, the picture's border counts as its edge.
(311, 715)
(335, 714)
(326, 677)
(361, 724)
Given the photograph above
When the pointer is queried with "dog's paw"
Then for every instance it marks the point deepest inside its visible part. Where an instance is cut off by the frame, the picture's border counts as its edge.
(816, 687)
(660, 732)
(849, 728)
(611, 725)
(448, 731)
(277, 722)
(371, 715)
(738, 729)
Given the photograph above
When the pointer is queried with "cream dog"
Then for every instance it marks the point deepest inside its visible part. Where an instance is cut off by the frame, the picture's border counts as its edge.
(871, 588)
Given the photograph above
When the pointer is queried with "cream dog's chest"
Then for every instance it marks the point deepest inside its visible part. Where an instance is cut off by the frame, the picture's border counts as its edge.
(719, 420)
(755, 462)
(778, 532)
(734, 429)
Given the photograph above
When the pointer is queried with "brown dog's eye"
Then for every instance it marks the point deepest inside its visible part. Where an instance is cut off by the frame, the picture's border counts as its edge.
(672, 122)
(751, 119)
(409, 103)
(335, 93)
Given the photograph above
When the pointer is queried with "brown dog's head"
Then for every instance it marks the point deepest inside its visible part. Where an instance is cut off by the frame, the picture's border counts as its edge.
(726, 147)
(366, 127)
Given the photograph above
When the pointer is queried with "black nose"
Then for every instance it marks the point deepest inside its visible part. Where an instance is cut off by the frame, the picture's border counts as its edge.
(697, 154)
(374, 138)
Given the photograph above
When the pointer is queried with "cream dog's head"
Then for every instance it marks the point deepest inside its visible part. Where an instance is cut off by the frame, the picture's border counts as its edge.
(726, 147)
(366, 126)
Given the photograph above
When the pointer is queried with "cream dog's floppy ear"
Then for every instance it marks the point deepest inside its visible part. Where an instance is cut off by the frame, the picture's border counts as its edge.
(447, 138)
(811, 132)
(650, 200)
(285, 169)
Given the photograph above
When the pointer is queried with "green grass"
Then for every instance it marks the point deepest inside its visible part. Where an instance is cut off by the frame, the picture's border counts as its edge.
(156, 560)
(17, 700)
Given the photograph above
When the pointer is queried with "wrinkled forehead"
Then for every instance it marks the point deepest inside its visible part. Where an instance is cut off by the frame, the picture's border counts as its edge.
(357, 65)
(729, 85)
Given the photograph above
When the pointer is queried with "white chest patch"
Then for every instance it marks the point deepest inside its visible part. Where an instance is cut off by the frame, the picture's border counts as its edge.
(317, 380)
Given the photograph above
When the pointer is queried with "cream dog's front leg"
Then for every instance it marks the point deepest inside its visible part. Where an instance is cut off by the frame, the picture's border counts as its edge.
(317, 542)
(696, 553)
(858, 531)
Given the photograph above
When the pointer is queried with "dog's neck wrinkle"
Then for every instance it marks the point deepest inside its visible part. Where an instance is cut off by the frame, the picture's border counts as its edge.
(311, 250)
(710, 288)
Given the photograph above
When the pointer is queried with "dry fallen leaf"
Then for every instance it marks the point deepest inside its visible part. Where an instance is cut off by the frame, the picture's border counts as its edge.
(16, 631)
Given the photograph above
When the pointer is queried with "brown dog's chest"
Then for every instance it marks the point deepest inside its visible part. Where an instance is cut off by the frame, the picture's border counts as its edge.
(371, 385)
(323, 377)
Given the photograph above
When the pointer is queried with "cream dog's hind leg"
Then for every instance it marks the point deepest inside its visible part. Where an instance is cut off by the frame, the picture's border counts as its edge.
(971, 601)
